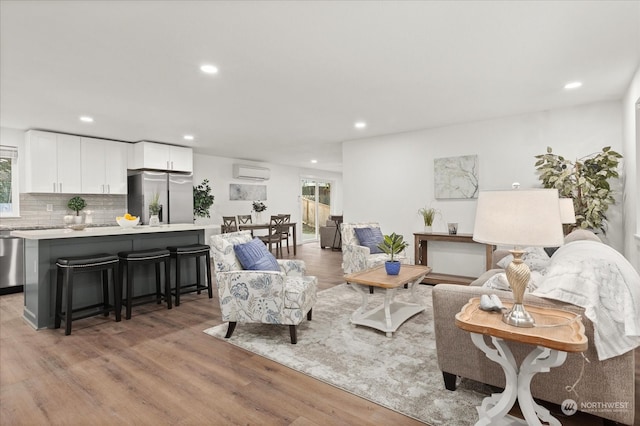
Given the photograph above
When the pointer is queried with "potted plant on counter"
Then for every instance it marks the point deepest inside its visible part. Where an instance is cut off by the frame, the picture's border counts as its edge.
(428, 215)
(77, 204)
(154, 210)
(392, 244)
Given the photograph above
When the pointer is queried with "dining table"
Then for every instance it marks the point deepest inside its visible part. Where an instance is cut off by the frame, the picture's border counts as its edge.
(256, 226)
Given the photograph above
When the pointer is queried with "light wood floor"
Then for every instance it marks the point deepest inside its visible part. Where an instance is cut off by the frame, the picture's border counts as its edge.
(160, 368)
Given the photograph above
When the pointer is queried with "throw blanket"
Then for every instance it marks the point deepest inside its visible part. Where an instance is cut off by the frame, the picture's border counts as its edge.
(599, 279)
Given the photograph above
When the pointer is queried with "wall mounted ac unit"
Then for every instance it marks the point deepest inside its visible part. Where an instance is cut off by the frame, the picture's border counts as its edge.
(241, 171)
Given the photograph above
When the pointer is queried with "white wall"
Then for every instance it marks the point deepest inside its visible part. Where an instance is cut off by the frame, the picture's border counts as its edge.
(283, 188)
(631, 123)
(387, 179)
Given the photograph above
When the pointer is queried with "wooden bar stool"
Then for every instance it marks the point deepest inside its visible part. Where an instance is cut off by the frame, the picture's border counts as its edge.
(129, 259)
(196, 251)
(67, 268)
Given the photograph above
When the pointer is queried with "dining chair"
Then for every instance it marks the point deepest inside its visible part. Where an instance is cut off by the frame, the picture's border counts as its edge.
(285, 229)
(275, 234)
(244, 219)
(229, 224)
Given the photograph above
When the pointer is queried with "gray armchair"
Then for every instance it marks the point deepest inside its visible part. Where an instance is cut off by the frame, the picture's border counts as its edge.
(358, 258)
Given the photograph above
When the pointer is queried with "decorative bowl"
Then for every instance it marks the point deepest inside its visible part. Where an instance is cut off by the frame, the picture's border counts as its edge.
(125, 223)
(77, 226)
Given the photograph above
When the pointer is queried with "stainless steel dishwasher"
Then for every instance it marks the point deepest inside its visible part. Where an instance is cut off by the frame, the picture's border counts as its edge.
(11, 263)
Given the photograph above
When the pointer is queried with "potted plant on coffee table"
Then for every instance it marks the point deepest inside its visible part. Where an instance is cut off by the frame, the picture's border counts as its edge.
(392, 244)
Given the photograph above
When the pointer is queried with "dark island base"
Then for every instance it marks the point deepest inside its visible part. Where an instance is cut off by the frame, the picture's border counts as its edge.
(40, 261)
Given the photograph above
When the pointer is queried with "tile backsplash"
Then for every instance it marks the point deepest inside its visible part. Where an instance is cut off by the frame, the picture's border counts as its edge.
(33, 209)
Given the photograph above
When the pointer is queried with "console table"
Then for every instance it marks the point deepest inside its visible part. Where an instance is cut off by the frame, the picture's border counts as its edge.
(420, 243)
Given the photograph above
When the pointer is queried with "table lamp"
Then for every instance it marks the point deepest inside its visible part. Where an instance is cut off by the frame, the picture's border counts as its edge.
(518, 218)
(567, 214)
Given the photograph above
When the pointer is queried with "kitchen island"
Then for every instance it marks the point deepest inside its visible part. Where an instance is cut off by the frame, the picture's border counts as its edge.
(43, 247)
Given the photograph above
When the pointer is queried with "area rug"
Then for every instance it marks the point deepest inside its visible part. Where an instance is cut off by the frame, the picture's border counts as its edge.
(399, 372)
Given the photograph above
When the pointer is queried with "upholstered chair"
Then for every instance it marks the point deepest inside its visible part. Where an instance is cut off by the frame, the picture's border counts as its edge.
(283, 296)
(356, 256)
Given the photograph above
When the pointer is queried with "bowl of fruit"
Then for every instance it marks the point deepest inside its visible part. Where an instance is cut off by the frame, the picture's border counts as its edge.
(128, 221)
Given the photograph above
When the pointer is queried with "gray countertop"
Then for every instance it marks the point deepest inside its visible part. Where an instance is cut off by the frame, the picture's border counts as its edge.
(57, 233)
(36, 227)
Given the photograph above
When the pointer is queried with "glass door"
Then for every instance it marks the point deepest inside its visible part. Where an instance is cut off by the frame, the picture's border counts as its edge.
(315, 207)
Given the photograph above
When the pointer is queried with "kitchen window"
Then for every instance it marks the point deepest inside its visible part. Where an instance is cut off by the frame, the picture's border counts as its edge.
(9, 196)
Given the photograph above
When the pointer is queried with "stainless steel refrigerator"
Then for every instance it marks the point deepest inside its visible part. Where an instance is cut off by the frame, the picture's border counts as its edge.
(175, 195)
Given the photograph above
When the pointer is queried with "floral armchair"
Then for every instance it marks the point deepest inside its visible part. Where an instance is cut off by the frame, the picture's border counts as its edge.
(356, 257)
(268, 297)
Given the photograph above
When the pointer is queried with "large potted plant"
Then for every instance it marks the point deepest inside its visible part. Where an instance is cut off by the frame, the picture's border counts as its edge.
(392, 244)
(585, 180)
(428, 216)
(202, 199)
(77, 204)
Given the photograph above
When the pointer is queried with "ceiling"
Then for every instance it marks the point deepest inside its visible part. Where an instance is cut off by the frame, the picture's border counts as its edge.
(295, 76)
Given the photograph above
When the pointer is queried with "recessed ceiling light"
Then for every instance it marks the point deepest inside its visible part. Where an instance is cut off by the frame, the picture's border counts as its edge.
(188, 137)
(360, 125)
(209, 69)
(86, 119)
(314, 161)
(573, 85)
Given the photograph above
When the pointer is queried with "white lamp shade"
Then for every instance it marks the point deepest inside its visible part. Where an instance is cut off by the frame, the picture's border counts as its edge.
(519, 218)
(567, 212)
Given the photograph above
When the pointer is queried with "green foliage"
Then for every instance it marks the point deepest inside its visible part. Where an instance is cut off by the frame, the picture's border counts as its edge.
(5, 180)
(258, 206)
(393, 244)
(154, 206)
(586, 181)
(202, 199)
(428, 215)
(76, 204)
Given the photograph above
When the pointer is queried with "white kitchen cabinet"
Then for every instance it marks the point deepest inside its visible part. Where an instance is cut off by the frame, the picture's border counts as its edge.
(103, 166)
(181, 158)
(52, 162)
(151, 155)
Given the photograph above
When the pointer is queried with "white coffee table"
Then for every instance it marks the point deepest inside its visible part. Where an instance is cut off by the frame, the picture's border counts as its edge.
(389, 316)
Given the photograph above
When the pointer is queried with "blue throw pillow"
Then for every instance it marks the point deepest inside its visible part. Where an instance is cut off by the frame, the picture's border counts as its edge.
(370, 237)
(254, 256)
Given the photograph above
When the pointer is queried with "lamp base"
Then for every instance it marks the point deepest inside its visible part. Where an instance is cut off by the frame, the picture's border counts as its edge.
(518, 317)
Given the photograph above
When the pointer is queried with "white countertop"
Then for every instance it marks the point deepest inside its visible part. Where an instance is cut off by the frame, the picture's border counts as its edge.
(53, 234)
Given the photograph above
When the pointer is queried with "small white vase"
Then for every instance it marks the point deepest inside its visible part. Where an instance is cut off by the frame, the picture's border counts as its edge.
(428, 229)
(154, 220)
(258, 217)
(77, 219)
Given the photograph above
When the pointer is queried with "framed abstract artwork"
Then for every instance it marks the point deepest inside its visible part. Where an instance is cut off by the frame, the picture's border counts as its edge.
(456, 177)
(247, 192)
